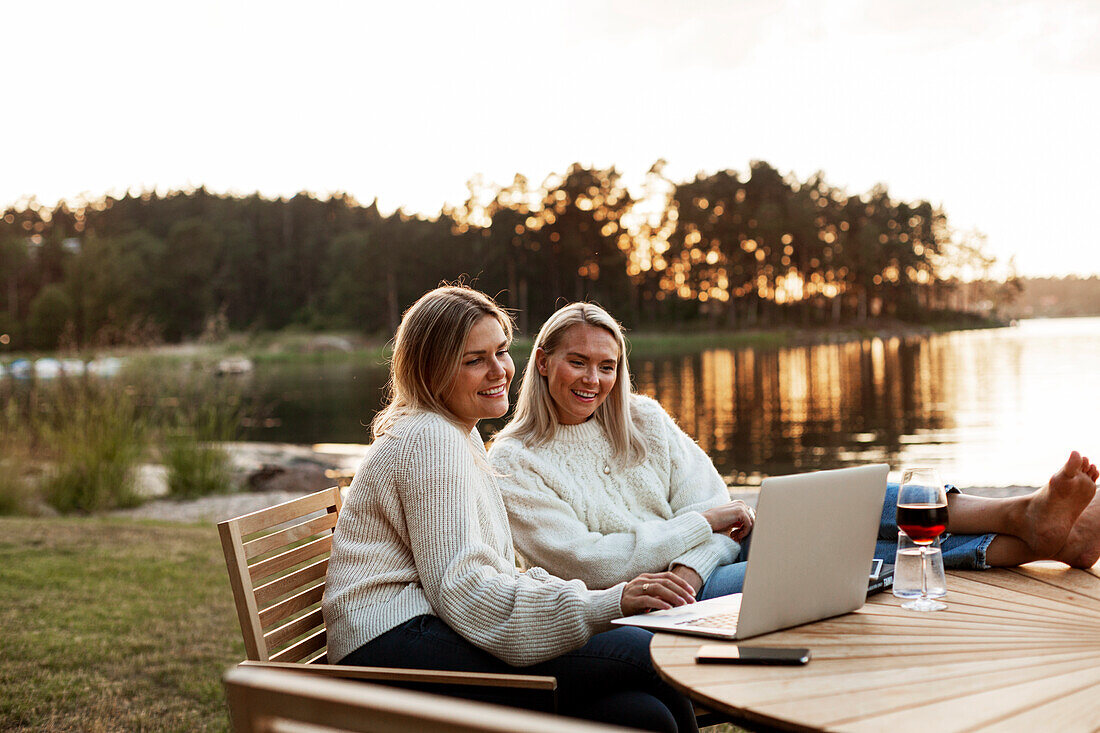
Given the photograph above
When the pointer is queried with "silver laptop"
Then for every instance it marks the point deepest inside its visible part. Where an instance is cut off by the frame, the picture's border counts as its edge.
(812, 545)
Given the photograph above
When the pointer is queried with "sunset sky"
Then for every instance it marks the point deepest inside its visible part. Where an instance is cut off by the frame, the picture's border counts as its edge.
(988, 109)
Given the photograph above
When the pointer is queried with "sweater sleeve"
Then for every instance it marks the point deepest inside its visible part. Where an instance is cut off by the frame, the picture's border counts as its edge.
(522, 618)
(549, 531)
(694, 487)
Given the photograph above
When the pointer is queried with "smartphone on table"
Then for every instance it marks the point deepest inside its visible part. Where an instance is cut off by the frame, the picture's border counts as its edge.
(738, 654)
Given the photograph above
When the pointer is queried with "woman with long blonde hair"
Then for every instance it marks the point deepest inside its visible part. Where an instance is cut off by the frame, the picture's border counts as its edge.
(423, 572)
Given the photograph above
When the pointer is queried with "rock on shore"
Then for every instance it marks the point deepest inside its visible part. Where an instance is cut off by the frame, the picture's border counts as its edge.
(266, 474)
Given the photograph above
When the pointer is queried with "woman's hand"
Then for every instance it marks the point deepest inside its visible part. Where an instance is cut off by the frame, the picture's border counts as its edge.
(735, 519)
(655, 591)
(693, 578)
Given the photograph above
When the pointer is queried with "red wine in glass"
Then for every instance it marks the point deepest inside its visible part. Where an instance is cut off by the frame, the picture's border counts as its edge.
(922, 522)
(922, 515)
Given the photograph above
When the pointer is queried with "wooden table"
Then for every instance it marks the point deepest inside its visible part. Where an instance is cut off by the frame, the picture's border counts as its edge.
(1016, 649)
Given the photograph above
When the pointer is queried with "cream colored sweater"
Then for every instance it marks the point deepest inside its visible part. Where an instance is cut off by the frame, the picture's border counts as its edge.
(424, 531)
(579, 515)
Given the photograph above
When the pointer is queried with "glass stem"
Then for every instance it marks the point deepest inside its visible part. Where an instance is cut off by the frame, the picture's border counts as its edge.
(923, 575)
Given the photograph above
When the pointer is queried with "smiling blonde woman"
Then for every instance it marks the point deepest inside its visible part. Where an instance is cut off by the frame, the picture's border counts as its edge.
(599, 480)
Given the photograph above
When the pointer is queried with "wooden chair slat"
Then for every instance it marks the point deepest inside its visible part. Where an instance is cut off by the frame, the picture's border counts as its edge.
(268, 592)
(399, 674)
(260, 698)
(281, 635)
(290, 558)
(327, 499)
(303, 649)
(287, 536)
(288, 607)
(244, 596)
(318, 658)
(272, 724)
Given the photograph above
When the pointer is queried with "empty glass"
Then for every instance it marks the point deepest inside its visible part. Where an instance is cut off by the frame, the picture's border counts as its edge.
(907, 569)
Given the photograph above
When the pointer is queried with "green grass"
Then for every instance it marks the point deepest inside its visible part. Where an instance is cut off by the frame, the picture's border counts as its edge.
(79, 438)
(97, 439)
(13, 490)
(113, 625)
(200, 420)
(692, 341)
(196, 469)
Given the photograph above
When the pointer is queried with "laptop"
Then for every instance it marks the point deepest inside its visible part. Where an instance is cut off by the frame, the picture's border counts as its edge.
(812, 545)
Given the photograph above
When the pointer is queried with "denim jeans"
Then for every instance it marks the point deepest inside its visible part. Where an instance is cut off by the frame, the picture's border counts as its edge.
(959, 551)
(610, 679)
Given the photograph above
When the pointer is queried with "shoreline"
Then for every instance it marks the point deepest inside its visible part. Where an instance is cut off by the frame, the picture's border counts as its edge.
(213, 509)
(302, 346)
(337, 463)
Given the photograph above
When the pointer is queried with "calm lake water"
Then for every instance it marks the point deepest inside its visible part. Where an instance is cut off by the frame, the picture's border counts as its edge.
(995, 407)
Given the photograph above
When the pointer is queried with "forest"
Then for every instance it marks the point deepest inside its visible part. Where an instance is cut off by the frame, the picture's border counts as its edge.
(1056, 297)
(725, 250)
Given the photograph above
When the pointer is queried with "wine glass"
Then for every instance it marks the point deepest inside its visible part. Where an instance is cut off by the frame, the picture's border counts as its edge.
(922, 514)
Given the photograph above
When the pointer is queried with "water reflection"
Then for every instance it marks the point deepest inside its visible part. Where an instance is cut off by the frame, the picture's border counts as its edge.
(989, 408)
(318, 403)
(795, 409)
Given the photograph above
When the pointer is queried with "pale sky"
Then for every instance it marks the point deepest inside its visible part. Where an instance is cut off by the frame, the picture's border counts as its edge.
(986, 108)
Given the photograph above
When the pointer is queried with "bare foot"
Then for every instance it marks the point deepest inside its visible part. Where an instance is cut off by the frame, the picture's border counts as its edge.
(1053, 510)
(1082, 548)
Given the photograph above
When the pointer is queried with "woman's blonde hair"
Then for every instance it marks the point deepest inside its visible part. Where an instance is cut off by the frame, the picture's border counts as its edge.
(427, 351)
(535, 420)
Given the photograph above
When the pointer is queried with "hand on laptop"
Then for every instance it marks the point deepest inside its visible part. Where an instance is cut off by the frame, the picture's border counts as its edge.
(734, 518)
(655, 591)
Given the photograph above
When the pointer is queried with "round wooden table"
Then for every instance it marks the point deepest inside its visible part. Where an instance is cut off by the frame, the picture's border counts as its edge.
(1016, 649)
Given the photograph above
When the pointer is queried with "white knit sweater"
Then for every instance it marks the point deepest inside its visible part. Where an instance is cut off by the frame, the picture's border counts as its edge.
(424, 531)
(574, 511)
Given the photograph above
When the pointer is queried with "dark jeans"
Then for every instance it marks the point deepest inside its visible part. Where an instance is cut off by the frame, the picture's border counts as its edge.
(610, 679)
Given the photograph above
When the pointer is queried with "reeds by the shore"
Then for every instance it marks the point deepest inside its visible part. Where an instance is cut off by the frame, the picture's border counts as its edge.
(72, 444)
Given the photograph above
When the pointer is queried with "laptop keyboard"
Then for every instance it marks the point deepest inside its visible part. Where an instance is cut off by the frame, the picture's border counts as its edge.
(717, 621)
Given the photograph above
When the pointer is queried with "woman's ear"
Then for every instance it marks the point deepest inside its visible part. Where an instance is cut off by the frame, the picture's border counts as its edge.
(541, 357)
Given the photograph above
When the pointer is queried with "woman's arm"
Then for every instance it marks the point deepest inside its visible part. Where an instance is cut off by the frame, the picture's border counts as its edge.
(458, 535)
(696, 486)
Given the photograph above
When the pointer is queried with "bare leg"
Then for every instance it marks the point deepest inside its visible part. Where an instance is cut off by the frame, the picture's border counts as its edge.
(1043, 520)
(1006, 551)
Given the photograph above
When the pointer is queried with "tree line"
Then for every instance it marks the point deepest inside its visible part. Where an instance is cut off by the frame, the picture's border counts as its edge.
(723, 250)
(1054, 297)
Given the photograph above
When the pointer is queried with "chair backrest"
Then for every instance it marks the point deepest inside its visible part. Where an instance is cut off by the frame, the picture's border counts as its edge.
(277, 559)
(273, 700)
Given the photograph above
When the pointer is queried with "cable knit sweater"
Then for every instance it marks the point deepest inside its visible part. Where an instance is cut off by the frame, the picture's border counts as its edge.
(424, 531)
(578, 514)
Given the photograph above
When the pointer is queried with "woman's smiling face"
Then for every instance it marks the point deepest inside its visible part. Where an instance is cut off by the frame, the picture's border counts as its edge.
(480, 389)
(581, 371)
